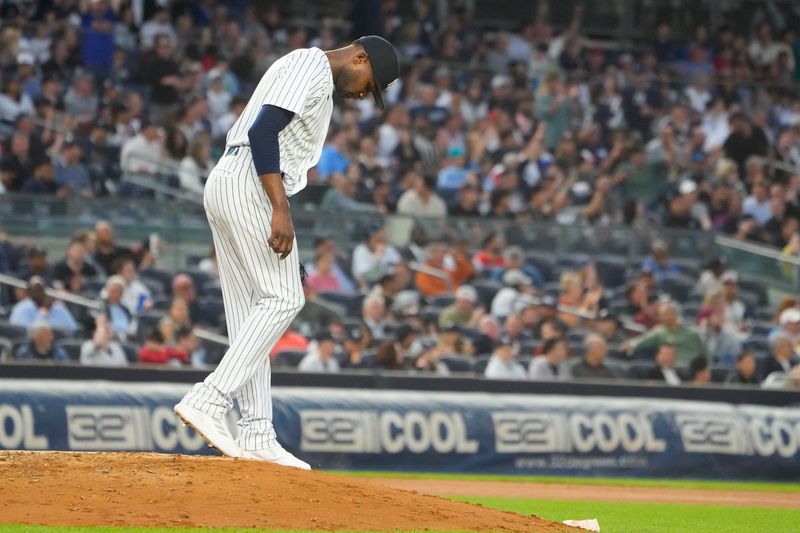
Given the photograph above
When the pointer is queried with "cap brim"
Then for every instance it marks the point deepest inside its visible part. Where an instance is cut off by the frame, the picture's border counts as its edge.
(376, 93)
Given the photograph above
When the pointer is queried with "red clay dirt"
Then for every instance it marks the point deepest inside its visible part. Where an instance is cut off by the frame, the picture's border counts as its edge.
(138, 489)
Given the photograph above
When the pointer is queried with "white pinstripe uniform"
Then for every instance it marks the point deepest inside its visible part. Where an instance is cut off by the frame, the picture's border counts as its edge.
(262, 294)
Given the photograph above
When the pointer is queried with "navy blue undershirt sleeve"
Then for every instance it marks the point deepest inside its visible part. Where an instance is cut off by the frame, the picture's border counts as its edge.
(263, 135)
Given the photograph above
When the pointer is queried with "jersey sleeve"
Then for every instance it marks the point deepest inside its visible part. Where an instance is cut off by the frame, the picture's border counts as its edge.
(295, 80)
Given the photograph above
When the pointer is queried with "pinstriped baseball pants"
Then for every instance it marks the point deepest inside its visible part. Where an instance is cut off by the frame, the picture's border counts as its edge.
(262, 296)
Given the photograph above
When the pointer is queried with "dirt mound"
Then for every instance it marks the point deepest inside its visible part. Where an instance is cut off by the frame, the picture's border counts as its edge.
(135, 489)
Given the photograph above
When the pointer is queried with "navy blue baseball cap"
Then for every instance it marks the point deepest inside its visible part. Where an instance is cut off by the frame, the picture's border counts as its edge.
(384, 62)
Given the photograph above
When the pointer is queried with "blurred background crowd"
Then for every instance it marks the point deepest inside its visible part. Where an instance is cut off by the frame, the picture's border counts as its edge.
(686, 128)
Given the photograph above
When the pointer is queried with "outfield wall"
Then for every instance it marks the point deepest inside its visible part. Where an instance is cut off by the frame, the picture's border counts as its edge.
(431, 431)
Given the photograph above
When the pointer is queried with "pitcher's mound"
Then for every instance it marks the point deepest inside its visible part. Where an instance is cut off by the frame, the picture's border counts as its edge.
(141, 489)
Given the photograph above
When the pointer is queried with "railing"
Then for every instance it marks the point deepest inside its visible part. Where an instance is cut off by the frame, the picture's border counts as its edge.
(183, 225)
(96, 305)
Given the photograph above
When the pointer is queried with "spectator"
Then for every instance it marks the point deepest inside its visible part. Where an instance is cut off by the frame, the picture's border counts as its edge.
(711, 276)
(463, 312)
(42, 346)
(450, 341)
(550, 366)
(592, 365)
(70, 174)
(454, 266)
(353, 349)
(788, 326)
(744, 140)
(43, 180)
(373, 258)
(489, 257)
(196, 166)
(334, 158)
(71, 272)
(142, 154)
(187, 347)
(290, 340)
(118, 315)
(97, 39)
(13, 101)
(783, 356)
(554, 108)
(327, 246)
(81, 101)
(35, 264)
(136, 296)
(735, 309)
(393, 354)
(163, 76)
(575, 299)
(320, 357)
(155, 351)
(664, 369)
(39, 307)
(503, 364)
(373, 313)
(177, 317)
(17, 162)
(514, 258)
(107, 252)
(699, 372)
(685, 341)
(758, 204)
(720, 339)
(102, 349)
(467, 202)
(183, 288)
(421, 200)
(659, 262)
(323, 279)
(745, 372)
(516, 284)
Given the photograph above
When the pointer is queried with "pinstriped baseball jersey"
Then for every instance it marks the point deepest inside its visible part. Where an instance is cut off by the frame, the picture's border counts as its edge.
(300, 82)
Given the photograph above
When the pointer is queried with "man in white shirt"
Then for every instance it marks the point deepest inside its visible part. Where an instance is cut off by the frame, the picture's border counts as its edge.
(421, 200)
(550, 366)
(322, 357)
(503, 364)
(141, 154)
(102, 349)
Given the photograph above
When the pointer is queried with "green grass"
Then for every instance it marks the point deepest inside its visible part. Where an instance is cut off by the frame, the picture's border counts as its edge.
(762, 486)
(654, 517)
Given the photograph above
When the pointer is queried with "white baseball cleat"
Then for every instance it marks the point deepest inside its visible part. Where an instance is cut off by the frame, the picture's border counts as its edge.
(213, 430)
(275, 453)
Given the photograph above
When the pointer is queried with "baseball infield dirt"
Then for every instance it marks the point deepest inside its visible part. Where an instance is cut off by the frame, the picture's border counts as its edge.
(135, 489)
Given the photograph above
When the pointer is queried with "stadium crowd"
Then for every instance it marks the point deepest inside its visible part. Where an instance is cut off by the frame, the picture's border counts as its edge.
(533, 125)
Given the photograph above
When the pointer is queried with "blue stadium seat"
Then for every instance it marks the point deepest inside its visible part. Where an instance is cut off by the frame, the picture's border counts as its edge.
(441, 301)
(612, 272)
(457, 363)
(719, 374)
(156, 277)
(12, 332)
(487, 290)
(72, 347)
(481, 362)
(131, 351)
(544, 263)
(288, 358)
(350, 302)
